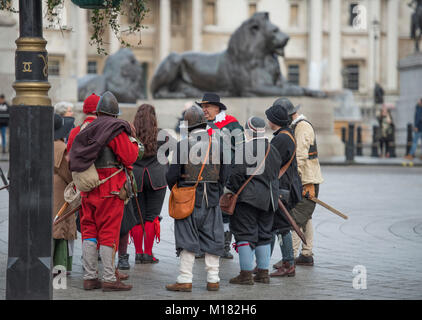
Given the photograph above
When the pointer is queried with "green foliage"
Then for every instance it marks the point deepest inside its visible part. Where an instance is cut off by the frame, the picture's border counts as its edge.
(6, 5)
(135, 10)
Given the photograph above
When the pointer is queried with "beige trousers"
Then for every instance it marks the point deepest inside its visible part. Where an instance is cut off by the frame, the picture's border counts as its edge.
(309, 236)
(187, 259)
(90, 261)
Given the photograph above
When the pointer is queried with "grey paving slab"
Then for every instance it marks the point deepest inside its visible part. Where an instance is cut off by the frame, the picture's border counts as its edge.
(383, 233)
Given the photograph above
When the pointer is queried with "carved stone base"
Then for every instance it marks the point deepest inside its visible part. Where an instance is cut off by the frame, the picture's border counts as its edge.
(320, 111)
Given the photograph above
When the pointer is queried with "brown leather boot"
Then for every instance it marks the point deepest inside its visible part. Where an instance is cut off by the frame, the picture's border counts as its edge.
(304, 260)
(116, 286)
(184, 287)
(286, 270)
(279, 264)
(213, 286)
(121, 276)
(245, 277)
(92, 284)
(262, 276)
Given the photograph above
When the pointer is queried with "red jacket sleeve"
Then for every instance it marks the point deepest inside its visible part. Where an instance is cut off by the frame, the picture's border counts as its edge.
(72, 136)
(125, 150)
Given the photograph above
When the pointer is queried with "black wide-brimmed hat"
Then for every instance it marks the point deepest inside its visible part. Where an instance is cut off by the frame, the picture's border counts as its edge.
(211, 98)
(62, 126)
(278, 115)
(287, 104)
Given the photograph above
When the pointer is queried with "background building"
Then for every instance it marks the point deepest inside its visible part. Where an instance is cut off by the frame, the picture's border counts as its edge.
(334, 44)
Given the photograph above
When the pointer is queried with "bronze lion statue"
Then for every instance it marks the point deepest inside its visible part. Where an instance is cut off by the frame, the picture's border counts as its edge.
(123, 75)
(249, 67)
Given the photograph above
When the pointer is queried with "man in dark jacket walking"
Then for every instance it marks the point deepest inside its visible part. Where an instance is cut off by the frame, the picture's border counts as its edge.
(418, 130)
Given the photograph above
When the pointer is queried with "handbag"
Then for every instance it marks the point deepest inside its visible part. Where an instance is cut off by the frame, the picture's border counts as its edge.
(228, 200)
(182, 199)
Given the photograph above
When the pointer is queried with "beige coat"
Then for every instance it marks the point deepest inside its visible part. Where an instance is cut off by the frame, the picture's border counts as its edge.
(62, 176)
(309, 170)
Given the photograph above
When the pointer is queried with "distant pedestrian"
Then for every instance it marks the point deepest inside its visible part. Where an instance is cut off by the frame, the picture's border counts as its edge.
(64, 109)
(151, 182)
(386, 138)
(418, 130)
(253, 216)
(4, 121)
(64, 233)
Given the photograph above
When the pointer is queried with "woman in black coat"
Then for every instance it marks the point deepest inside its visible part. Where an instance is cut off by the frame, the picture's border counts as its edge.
(252, 220)
(150, 177)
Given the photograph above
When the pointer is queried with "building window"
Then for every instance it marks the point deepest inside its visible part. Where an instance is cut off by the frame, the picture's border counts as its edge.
(210, 14)
(176, 13)
(293, 76)
(352, 13)
(252, 8)
(53, 67)
(294, 15)
(92, 67)
(351, 77)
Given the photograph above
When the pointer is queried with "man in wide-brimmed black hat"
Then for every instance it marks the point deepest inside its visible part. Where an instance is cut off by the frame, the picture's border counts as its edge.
(219, 121)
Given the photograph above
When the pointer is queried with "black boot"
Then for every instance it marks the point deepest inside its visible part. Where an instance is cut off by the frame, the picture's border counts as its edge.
(227, 243)
(123, 263)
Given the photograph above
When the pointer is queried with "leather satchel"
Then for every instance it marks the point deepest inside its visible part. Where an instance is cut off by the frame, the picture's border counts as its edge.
(228, 200)
(182, 199)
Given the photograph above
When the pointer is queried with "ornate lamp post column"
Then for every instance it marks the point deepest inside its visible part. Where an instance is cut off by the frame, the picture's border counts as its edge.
(31, 164)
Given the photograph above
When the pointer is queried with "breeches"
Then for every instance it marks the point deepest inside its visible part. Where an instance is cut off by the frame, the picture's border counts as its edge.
(101, 218)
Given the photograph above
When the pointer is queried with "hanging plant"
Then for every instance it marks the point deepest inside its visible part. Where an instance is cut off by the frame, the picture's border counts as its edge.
(105, 13)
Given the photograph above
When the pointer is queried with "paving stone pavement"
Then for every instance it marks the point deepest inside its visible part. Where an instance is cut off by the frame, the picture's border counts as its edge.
(383, 234)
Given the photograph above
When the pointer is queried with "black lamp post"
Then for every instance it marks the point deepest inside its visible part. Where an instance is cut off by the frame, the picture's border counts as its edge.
(31, 164)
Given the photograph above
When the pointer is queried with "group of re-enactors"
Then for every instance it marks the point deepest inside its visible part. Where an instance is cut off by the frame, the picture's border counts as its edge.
(107, 222)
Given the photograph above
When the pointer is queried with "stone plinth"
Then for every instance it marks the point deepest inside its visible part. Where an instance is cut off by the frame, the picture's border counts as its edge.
(410, 91)
(319, 111)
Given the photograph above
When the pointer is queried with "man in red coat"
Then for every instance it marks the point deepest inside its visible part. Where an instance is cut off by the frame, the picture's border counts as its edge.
(89, 108)
(102, 207)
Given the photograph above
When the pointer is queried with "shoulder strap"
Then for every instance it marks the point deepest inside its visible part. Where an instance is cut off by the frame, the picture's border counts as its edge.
(83, 125)
(253, 174)
(287, 165)
(203, 164)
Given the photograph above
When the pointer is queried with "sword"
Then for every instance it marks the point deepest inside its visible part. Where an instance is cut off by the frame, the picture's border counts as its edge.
(291, 221)
(6, 185)
(66, 215)
(326, 206)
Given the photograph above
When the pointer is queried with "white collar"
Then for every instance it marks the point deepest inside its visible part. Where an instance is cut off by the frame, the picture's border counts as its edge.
(220, 117)
(300, 117)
